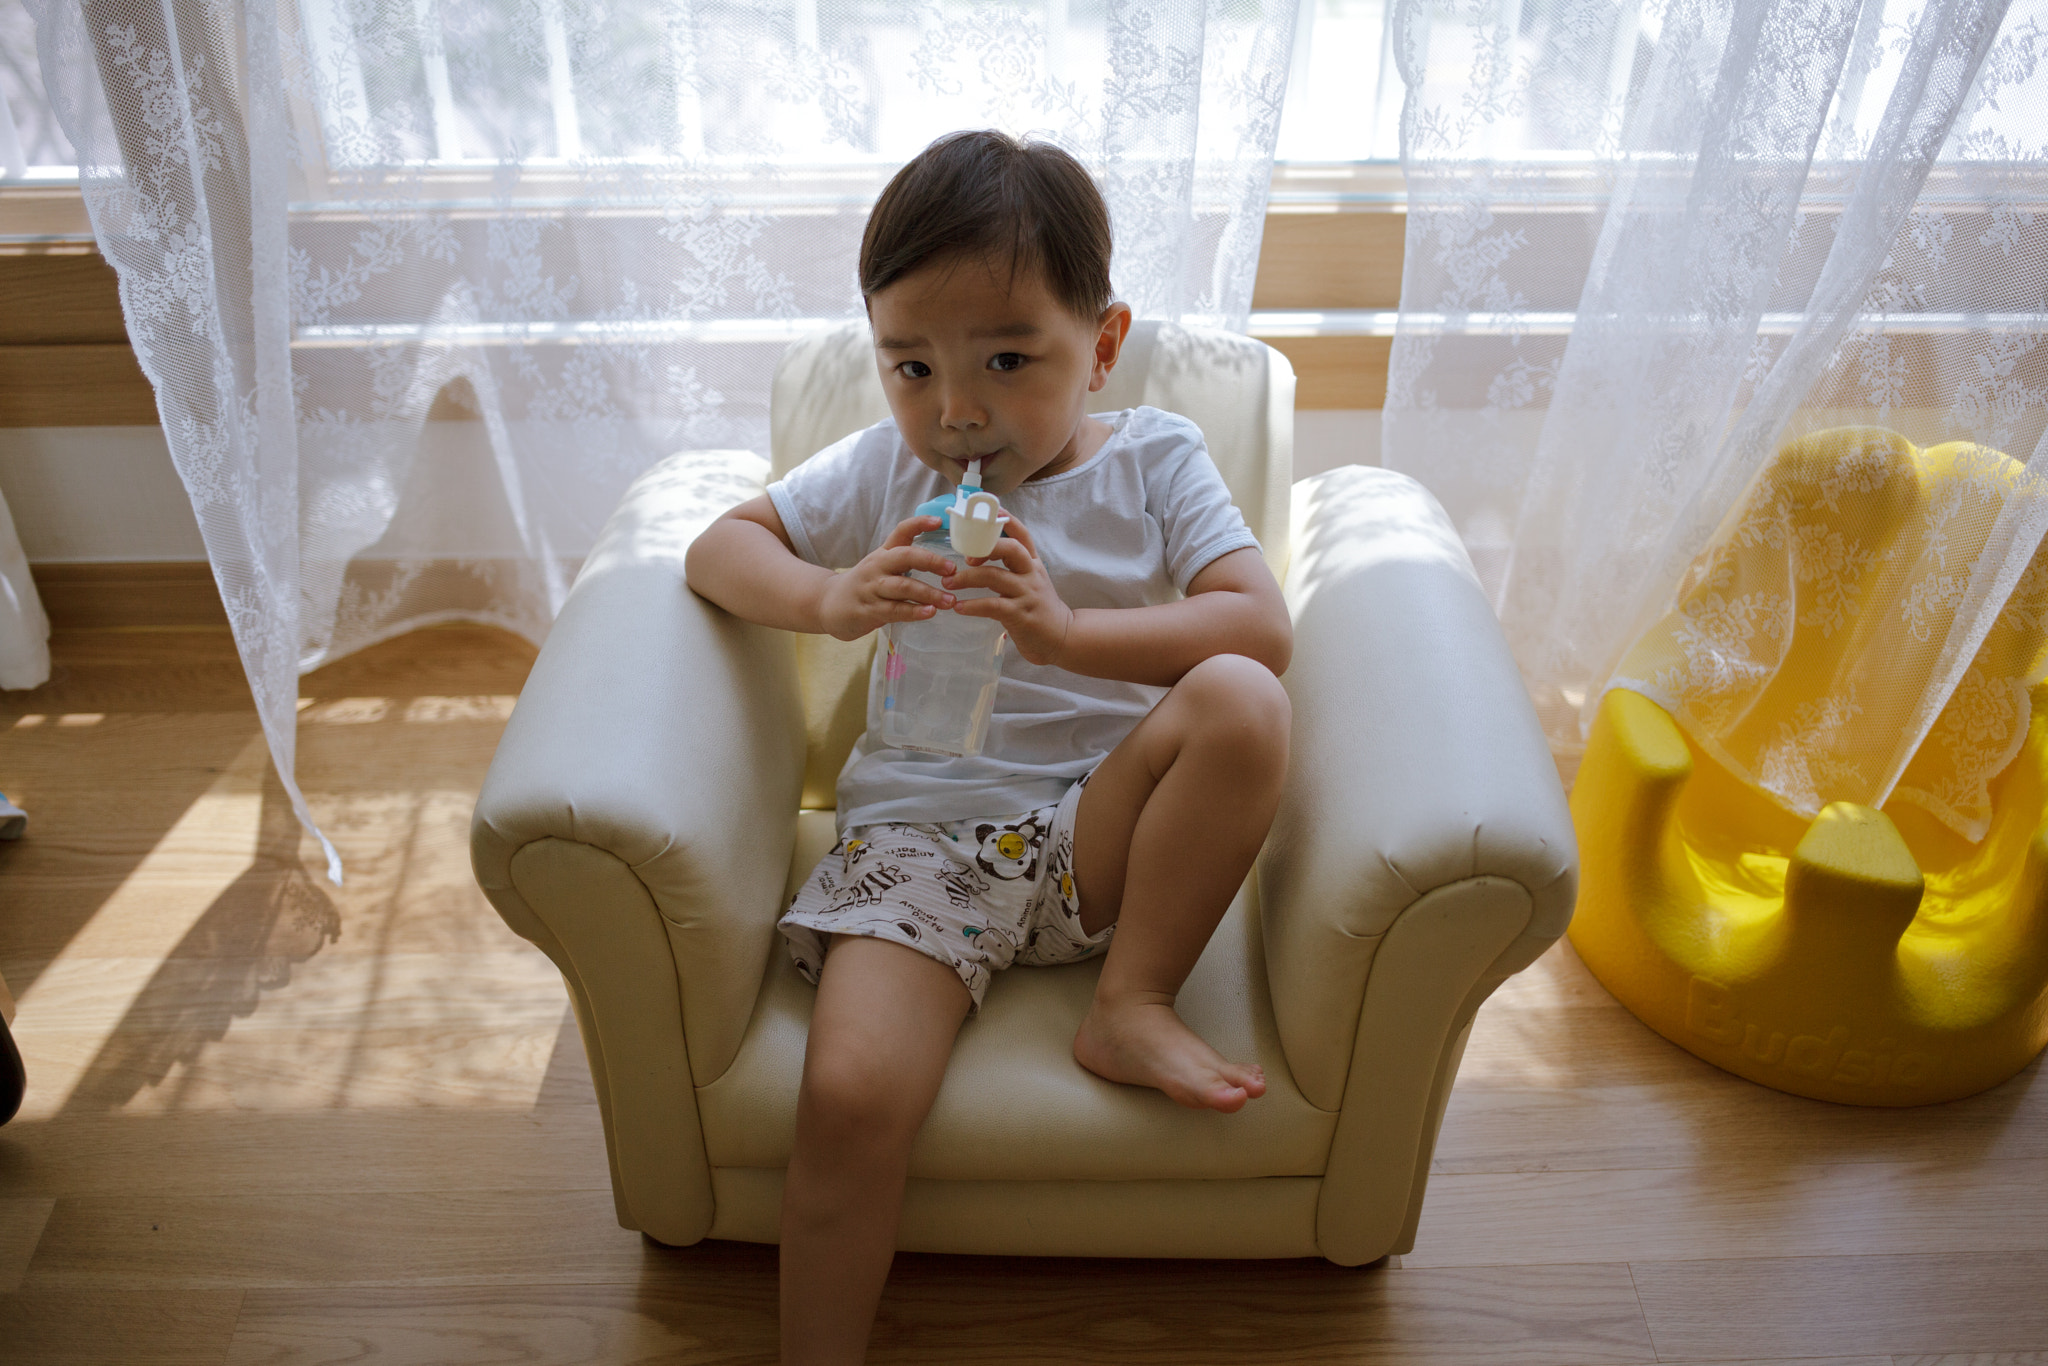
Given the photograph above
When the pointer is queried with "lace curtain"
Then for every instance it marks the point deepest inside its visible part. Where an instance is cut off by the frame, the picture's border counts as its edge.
(422, 284)
(1653, 242)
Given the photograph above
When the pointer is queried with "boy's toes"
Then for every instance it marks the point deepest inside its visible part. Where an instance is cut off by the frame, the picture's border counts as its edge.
(1251, 1080)
(1235, 1084)
(1225, 1097)
(1148, 1045)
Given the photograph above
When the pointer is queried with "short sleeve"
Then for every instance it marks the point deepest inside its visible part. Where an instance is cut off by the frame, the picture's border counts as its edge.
(831, 503)
(1183, 489)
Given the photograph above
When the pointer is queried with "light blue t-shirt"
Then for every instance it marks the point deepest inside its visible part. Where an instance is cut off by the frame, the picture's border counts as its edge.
(1130, 527)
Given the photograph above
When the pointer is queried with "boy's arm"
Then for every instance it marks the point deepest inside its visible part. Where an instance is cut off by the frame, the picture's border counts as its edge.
(1232, 606)
(747, 564)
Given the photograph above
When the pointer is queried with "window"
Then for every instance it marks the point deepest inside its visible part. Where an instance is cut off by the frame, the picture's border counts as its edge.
(1343, 92)
(1343, 102)
(32, 147)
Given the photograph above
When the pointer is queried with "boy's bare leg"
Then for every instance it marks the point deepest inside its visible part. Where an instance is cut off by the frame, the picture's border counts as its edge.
(1168, 827)
(880, 1035)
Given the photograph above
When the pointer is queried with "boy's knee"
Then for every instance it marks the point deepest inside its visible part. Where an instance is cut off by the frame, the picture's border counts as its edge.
(850, 1105)
(1238, 700)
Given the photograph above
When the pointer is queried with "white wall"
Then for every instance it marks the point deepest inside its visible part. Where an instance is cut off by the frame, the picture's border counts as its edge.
(100, 494)
(1328, 437)
(96, 494)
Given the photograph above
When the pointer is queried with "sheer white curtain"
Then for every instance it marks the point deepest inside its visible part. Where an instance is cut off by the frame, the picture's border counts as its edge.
(1651, 241)
(422, 284)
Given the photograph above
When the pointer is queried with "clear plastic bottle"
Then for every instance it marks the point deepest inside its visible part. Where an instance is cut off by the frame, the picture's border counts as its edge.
(934, 682)
(933, 686)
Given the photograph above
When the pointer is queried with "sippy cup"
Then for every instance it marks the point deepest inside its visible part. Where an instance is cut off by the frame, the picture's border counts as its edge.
(933, 684)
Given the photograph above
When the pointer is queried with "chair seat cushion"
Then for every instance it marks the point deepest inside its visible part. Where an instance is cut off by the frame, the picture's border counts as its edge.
(1015, 1105)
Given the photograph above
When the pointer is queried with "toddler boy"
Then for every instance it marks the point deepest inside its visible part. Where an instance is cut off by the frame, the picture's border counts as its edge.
(1139, 741)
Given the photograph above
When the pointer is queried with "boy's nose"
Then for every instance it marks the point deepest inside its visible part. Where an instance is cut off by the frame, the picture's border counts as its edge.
(958, 411)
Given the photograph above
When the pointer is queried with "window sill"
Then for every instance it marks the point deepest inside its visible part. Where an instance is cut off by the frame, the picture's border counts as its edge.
(40, 216)
(48, 211)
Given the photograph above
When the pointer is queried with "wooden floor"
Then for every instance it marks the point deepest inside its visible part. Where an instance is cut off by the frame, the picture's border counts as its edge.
(272, 1121)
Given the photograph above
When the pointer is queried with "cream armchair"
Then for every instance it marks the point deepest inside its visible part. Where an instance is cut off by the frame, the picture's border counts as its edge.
(668, 772)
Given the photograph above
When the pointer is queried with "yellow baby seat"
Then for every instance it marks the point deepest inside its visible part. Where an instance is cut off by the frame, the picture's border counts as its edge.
(1740, 894)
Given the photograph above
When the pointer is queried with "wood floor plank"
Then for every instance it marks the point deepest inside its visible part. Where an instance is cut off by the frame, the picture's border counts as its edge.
(1789, 1361)
(416, 1238)
(22, 1220)
(716, 1304)
(194, 671)
(197, 670)
(325, 991)
(119, 1328)
(1492, 1126)
(1558, 1075)
(409, 887)
(1812, 1306)
(1300, 1313)
(442, 661)
(1559, 978)
(1574, 1047)
(211, 831)
(446, 741)
(264, 1152)
(479, 1064)
(1975, 1359)
(1731, 1210)
(89, 832)
(727, 1320)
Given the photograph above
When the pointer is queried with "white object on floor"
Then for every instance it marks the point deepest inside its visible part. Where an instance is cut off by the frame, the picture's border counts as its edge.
(24, 630)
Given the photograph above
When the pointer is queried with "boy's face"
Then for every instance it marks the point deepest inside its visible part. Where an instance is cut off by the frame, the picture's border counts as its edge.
(975, 363)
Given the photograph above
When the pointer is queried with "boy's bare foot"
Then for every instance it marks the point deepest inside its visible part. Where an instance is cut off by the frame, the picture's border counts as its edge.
(1143, 1041)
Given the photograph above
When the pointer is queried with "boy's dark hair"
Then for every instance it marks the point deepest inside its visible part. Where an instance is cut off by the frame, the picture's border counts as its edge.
(986, 194)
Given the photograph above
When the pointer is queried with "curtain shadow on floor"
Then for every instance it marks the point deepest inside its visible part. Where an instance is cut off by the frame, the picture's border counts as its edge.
(273, 917)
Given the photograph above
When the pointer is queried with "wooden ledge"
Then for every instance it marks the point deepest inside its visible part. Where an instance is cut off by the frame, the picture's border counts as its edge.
(154, 594)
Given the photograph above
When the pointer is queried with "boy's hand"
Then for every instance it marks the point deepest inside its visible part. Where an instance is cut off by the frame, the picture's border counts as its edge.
(1025, 603)
(879, 590)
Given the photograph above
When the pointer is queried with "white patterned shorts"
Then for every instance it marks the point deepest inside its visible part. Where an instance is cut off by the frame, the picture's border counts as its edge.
(976, 895)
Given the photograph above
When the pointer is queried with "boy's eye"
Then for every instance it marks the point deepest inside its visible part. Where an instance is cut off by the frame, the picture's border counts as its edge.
(913, 369)
(1007, 360)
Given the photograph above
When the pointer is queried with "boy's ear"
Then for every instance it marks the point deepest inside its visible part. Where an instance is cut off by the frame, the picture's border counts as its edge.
(1109, 342)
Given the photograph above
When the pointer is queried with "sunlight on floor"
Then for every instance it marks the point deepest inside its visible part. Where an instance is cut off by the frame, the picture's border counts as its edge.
(222, 973)
(148, 915)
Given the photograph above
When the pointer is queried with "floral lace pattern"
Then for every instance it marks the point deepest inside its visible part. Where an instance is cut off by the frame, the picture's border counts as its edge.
(1649, 244)
(1799, 650)
(423, 284)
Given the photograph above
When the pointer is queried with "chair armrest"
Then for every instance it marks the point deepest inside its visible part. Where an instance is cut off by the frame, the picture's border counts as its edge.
(1417, 764)
(638, 818)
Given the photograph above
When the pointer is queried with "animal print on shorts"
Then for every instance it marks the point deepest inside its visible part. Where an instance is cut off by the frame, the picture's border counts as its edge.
(977, 895)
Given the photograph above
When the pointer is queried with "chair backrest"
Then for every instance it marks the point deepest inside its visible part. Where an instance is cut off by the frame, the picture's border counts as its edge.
(1238, 390)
